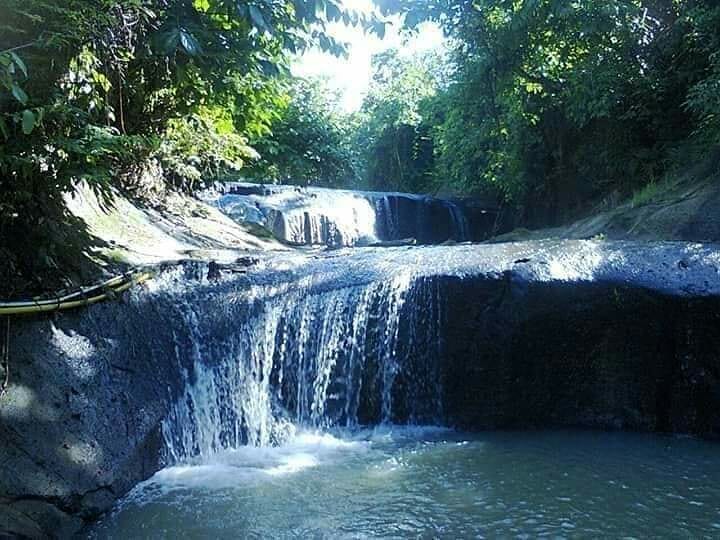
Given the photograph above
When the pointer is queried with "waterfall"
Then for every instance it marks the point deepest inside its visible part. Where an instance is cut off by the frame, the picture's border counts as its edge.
(317, 216)
(307, 217)
(384, 206)
(312, 356)
(461, 228)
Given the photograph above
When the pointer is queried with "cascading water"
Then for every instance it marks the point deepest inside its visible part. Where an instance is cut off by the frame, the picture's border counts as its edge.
(349, 339)
(312, 356)
(461, 227)
(316, 216)
(307, 217)
(385, 207)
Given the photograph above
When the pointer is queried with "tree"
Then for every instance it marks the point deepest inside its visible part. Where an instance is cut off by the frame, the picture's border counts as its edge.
(89, 88)
(309, 143)
(555, 103)
(393, 134)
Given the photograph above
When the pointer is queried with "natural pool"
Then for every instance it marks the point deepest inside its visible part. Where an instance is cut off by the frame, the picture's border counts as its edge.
(412, 482)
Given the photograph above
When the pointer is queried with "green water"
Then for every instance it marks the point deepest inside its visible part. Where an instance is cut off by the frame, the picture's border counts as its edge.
(434, 483)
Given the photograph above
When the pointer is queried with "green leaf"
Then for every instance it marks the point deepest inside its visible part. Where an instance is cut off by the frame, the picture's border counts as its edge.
(166, 42)
(300, 10)
(325, 43)
(413, 18)
(289, 44)
(333, 12)
(19, 63)
(4, 129)
(28, 121)
(242, 10)
(320, 9)
(379, 29)
(19, 93)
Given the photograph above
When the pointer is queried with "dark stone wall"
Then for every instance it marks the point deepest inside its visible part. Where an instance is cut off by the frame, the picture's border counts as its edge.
(80, 424)
(485, 219)
(426, 219)
(431, 221)
(536, 355)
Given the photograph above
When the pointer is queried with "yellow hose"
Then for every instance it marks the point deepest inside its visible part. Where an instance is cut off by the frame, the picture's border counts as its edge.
(63, 303)
(83, 292)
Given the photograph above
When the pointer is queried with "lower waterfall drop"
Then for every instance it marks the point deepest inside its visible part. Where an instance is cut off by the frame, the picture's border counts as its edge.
(310, 357)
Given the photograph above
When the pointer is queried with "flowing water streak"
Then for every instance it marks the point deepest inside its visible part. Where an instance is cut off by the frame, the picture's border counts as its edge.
(389, 211)
(460, 223)
(312, 356)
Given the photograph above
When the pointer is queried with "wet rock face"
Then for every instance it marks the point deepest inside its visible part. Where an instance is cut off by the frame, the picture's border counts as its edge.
(80, 424)
(532, 355)
(426, 219)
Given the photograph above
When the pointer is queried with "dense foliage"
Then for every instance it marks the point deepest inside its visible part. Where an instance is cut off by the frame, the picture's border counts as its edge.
(554, 103)
(393, 136)
(91, 88)
(309, 143)
(550, 105)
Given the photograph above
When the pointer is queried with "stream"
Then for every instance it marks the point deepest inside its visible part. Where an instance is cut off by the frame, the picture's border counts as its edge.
(354, 388)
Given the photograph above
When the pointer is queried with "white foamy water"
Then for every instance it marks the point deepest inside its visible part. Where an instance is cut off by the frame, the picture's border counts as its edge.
(335, 342)
(323, 359)
(247, 465)
(332, 217)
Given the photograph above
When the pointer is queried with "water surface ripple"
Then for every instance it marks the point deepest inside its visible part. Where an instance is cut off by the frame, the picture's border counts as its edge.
(405, 482)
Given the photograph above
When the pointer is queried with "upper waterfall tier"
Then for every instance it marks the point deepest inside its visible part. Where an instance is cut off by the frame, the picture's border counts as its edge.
(318, 216)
